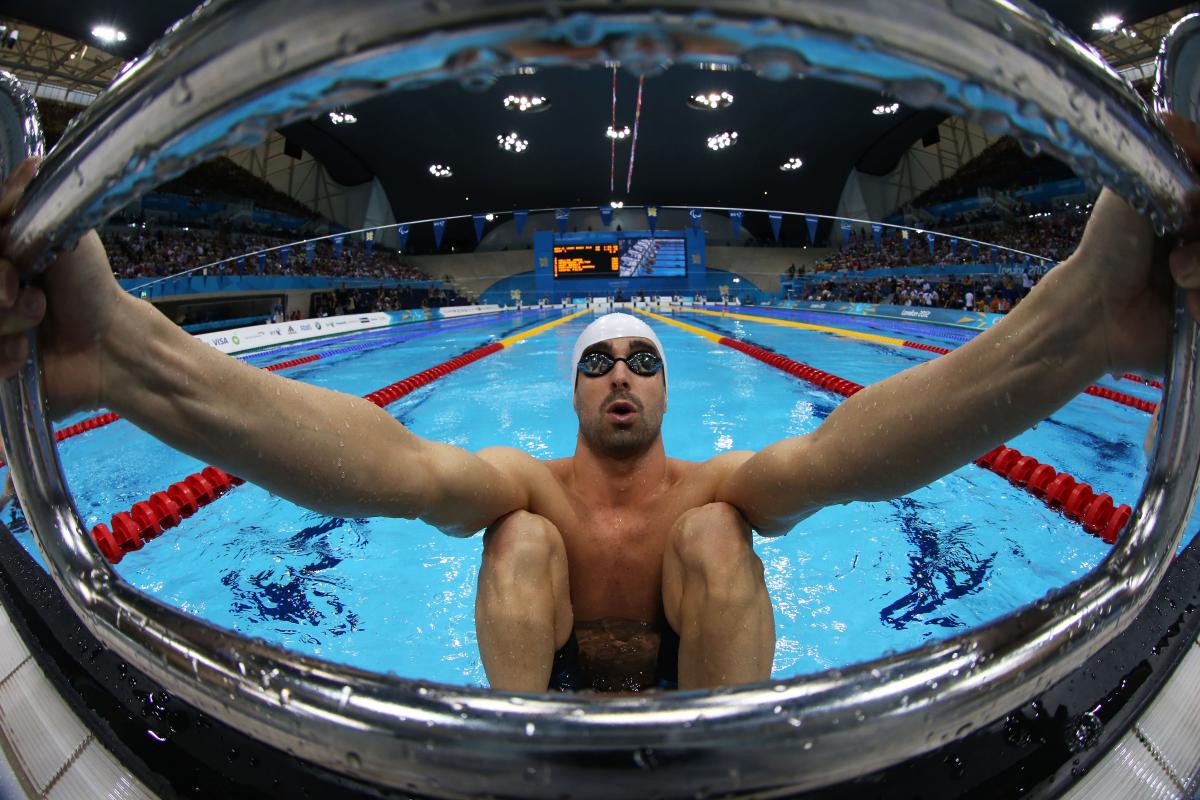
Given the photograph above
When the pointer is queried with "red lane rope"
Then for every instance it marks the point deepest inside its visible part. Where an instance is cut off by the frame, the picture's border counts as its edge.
(148, 519)
(1129, 376)
(1097, 391)
(1078, 501)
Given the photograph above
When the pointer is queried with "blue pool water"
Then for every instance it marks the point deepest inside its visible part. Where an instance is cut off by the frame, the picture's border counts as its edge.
(849, 583)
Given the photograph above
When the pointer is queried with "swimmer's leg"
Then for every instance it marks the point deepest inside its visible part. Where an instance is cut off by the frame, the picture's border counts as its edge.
(716, 599)
(523, 604)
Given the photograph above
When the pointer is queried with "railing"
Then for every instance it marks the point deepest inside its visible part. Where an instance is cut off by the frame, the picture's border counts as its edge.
(297, 58)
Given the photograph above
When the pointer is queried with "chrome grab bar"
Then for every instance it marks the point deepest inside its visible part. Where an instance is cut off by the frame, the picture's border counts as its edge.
(239, 69)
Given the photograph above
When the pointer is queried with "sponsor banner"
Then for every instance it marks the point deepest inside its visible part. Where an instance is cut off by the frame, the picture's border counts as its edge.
(238, 340)
(957, 318)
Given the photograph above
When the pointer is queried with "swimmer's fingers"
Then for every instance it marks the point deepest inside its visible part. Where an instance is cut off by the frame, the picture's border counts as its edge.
(20, 309)
(14, 187)
(1185, 269)
(1187, 135)
(14, 350)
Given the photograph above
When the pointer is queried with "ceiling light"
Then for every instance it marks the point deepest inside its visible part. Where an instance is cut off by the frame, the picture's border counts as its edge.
(522, 103)
(342, 118)
(512, 143)
(440, 170)
(722, 140)
(885, 108)
(1108, 23)
(612, 133)
(792, 163)
(108, 34)
(711, 101)
(617, 204)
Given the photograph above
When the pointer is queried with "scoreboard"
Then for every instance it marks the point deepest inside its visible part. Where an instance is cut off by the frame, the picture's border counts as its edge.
(586, 261)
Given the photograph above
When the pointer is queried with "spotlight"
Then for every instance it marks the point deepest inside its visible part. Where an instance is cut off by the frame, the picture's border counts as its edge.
(526, 104)
(342, 118)
(613, 133)
(617, 204)
(791, 164)
(711, 101)
(1108, 23)
(885, 108)
(722, 140)
(512, 143)
(108, 34)
(440, 170)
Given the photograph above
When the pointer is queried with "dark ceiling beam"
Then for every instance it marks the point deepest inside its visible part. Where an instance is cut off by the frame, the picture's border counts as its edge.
(67, 79)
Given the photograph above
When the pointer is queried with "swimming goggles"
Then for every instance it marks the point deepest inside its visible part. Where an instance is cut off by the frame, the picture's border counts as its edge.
(643, 363)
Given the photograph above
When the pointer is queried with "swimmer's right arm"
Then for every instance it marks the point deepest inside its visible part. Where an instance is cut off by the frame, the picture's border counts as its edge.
(331, 452)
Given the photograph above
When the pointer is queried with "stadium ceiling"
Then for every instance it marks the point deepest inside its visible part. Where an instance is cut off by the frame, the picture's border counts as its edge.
(831, 128)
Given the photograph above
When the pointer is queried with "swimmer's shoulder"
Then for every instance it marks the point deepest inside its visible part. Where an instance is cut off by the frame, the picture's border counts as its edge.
(535, 475)
(710, 473)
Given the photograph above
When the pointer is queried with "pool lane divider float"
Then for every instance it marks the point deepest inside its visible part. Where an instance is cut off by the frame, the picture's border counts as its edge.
(107, 419)
(1096, 512)
(147, 520)
(1128, 376)
(1096, 391)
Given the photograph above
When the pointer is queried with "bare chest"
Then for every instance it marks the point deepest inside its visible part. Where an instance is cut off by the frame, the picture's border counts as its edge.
(615, 557)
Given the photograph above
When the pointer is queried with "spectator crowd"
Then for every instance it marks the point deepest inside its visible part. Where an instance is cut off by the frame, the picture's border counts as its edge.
(1052, 235)
(136, 252)
(997, 294)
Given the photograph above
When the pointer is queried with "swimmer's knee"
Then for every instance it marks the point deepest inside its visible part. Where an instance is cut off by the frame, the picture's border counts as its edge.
(523, 537)
(712, 536)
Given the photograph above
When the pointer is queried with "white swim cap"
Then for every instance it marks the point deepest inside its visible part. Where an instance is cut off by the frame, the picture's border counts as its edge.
(614, 326)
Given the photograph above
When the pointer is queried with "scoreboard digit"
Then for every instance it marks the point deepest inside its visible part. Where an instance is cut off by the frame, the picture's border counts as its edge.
(586, 261)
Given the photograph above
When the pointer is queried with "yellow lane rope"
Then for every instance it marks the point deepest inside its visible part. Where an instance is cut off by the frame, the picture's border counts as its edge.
(787, 323)
(712, 337)
(516, 337)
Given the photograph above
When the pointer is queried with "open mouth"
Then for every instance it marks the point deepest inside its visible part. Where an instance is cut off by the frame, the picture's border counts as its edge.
(621, 411)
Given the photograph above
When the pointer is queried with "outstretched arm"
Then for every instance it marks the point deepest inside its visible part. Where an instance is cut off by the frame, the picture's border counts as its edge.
(1103, 310)
(331, 452)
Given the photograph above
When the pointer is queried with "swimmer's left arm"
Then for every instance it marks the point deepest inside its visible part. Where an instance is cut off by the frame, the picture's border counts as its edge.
(1103, 310)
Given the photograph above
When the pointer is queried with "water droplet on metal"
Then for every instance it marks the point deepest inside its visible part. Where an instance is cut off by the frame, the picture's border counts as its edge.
(919, 93)
(181, 93)
(275, 55)
(994, 123)
(775, 63)
(582, 30)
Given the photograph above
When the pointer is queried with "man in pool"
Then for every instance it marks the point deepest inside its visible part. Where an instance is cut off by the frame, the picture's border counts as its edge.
(607, 552)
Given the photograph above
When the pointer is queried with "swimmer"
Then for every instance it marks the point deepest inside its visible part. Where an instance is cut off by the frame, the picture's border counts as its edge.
(618, 562)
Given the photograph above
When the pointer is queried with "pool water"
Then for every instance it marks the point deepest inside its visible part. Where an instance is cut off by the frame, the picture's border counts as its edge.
(849, 583)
